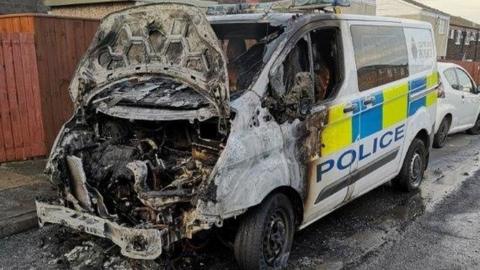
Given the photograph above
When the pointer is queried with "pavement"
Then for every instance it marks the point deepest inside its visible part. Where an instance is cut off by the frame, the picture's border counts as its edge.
(434, 228)
(20, 184)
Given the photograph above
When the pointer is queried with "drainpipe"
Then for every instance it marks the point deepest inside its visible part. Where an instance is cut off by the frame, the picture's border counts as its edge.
(477, 36)
(463, 43)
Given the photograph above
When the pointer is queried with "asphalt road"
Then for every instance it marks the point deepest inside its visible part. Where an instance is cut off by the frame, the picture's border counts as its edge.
(435, 228)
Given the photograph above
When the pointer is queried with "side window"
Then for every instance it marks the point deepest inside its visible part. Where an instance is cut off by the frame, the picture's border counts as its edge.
(464, 81)
(451, 77)
(291, 85)
(380, 53)
(327, 62)
(297, 61)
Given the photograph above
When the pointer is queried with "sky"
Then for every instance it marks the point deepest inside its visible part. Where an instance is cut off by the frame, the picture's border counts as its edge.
(468, 9)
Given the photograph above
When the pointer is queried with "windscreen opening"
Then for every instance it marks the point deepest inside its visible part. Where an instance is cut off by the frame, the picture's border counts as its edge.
(245, 45)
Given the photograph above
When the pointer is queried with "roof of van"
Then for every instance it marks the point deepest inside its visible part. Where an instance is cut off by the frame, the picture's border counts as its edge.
(277, 18)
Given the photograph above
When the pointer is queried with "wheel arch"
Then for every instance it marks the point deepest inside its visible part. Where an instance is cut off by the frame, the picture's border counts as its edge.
(423, 135)
(294, 197)
(449, 116)
(427, 140)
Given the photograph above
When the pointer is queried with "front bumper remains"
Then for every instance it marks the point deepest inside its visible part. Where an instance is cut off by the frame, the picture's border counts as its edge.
(143, 244)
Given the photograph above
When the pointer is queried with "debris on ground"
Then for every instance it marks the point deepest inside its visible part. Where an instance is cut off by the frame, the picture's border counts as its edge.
(86, 256)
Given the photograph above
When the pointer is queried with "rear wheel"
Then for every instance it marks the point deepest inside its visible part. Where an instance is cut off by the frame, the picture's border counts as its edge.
(265, 235)
(413, 168)
(441, 137)
(475, 130)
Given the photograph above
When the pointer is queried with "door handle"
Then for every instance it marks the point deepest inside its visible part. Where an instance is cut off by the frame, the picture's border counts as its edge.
(369, 101)
(350, 108)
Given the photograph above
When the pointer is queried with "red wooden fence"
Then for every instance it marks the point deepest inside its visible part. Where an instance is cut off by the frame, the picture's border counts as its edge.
(38, 56)
(21, 134)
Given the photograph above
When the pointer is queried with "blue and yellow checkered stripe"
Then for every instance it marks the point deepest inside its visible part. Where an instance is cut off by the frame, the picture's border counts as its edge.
(392, 106)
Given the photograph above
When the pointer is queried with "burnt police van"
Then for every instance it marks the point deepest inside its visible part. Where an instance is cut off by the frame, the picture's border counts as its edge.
(262, 122)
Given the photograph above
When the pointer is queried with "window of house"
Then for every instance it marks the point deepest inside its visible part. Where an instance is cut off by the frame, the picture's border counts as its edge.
(467, 38)
(441, 26)
(473, 37)
(381, 55)
(458, 41)
(452, 33)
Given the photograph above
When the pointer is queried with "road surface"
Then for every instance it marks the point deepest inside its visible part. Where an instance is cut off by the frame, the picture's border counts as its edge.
(435, 228)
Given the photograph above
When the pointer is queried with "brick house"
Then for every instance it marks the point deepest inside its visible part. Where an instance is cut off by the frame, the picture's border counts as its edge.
(97, 9)
(23, 6)
(463, 40)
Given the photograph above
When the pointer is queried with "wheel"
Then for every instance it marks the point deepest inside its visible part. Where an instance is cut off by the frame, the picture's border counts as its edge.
(440, 138)
(265, 234)
(475, 130)
(413, 168)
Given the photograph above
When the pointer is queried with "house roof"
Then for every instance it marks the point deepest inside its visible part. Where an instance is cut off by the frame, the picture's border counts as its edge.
(459, 21)
(58, 3)
(425, 7)
(53, 3)
(454, 20)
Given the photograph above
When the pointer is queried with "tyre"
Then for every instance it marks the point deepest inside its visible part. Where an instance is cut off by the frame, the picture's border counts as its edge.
(440, 138)
(265, 234)
(475, 130)
(413, 168)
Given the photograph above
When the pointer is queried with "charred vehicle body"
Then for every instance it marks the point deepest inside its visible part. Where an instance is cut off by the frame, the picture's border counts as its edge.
(273, 119)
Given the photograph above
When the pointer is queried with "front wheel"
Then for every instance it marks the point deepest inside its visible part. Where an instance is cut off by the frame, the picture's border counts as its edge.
(475, 130)
(413, 168)
(265, 235)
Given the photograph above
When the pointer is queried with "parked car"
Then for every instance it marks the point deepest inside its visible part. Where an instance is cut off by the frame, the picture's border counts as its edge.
(265, 122)
(459, 104)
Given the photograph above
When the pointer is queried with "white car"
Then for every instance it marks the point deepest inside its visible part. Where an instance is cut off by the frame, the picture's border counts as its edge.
(459, 104)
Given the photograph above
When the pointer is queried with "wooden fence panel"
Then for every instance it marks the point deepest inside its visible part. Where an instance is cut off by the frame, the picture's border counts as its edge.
(21, 132)
(33, 96)
(61, 42)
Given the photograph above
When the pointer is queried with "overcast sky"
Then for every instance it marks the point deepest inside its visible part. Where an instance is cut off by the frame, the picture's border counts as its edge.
(468, 9)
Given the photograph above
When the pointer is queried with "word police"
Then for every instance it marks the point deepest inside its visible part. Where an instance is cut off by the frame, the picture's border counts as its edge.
(347, 158)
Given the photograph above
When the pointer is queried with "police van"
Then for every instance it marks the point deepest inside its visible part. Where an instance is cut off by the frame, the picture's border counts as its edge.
(263, 121)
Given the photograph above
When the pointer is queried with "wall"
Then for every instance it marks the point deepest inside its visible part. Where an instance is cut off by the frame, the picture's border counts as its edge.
(463, 43)
(92, 11)
(100, 10)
